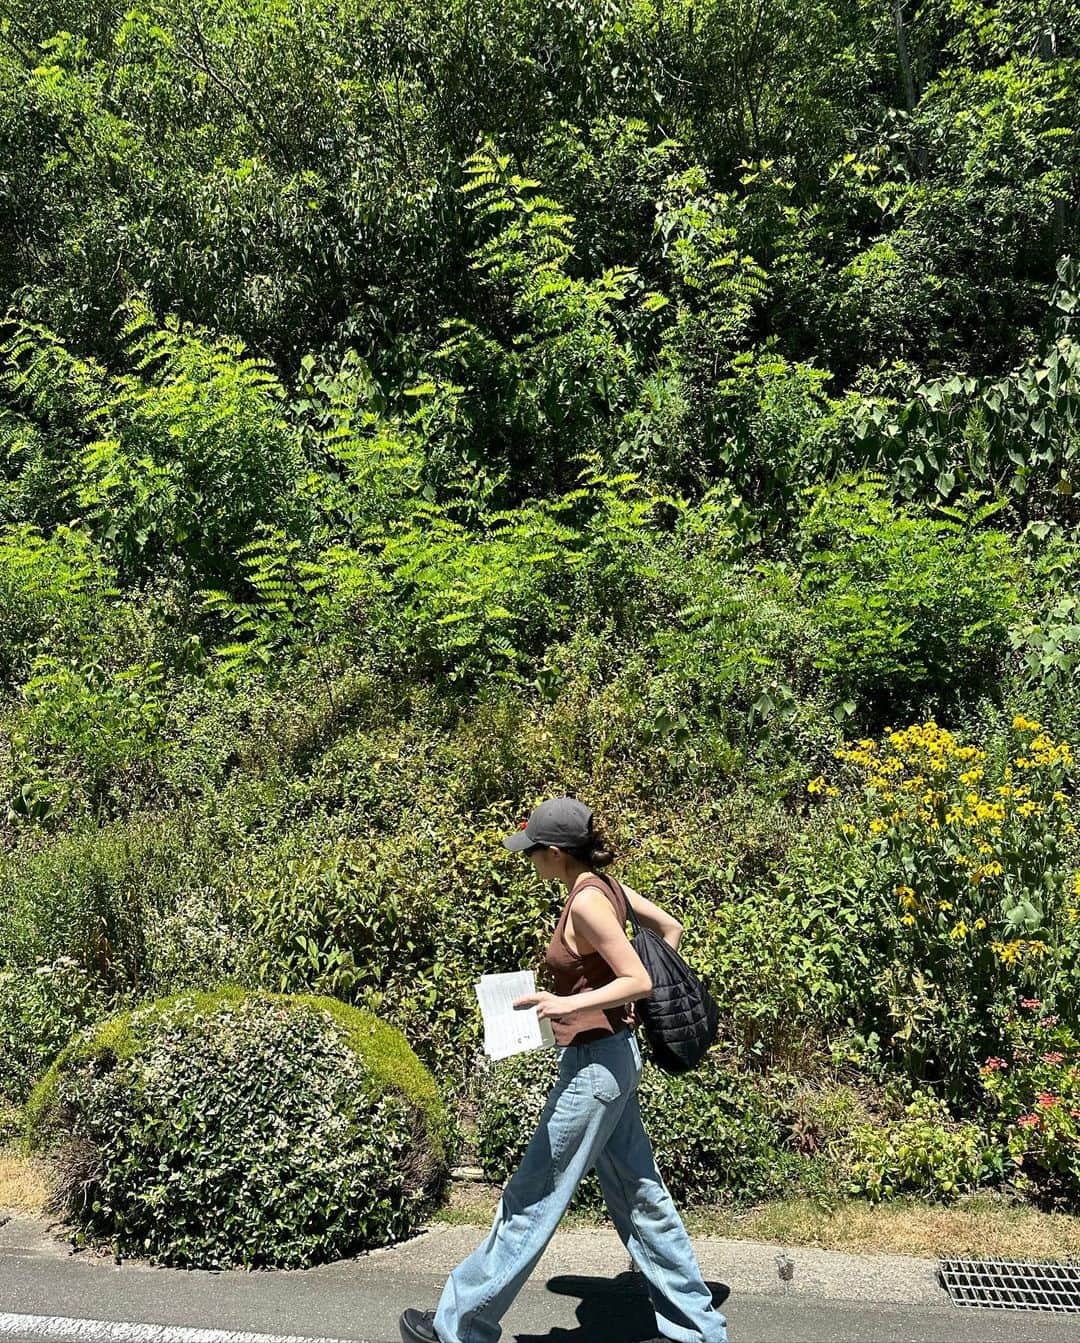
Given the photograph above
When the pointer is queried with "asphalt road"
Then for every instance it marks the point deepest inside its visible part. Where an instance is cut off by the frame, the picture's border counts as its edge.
(580, 1293)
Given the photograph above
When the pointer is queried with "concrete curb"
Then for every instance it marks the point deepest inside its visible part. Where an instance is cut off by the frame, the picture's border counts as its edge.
(745, 1267)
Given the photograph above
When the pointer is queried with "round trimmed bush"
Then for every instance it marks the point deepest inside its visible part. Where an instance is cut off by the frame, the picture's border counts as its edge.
(241, 1129)
(712, 1130)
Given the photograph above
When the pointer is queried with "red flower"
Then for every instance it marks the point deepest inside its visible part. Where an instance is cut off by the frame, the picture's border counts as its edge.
(1028, 1121)
(994, 1065)
(1031, 1002)
(1046, 1101)
(1053, 1057)
(1049, 1021)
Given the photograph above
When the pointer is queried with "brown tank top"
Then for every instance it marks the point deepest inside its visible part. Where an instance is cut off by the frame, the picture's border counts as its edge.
(574, 973)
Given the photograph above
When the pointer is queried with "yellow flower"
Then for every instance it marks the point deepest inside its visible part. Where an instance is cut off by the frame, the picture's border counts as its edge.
(1008, 952)
(944, 904)
(980, 924)
(959, 930)
(848, 829)
(816, 785)
(876, 826)
(831, 791)
(908, 919)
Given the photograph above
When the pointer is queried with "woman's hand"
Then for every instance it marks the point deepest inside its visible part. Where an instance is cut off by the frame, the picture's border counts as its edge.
(547, 1005)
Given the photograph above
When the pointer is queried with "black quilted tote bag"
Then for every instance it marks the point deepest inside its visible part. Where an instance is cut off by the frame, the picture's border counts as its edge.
(680, 1017)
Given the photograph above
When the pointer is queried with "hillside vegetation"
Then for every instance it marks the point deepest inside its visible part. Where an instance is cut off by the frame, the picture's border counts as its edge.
(408, 412)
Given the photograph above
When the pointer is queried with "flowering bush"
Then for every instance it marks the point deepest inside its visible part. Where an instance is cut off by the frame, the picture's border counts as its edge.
(974, 877)
(1035, 1084)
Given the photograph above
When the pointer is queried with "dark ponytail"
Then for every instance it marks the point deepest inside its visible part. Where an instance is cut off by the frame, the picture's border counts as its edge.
(600, 852)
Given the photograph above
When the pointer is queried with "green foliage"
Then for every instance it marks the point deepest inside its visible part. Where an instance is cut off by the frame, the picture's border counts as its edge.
(925, 1152)
(1018, 433)
(741, 650)
(40, 1008)
(227, 1129)
(87, 740)
(100, 896)
(503, 432)
(1046, 636)
(182, 456)
(52, 594)
(911, 611)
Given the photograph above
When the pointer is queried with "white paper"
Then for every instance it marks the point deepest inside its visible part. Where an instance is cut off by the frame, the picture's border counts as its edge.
(507, 1031)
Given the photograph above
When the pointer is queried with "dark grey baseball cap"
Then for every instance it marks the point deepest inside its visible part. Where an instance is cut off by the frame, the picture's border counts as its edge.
(562, 821)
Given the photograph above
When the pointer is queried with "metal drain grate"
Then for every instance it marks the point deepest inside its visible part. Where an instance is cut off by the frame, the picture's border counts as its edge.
(1008, 1286)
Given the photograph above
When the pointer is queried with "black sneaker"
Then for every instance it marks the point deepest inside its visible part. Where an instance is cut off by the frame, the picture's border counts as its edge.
(418, 1326)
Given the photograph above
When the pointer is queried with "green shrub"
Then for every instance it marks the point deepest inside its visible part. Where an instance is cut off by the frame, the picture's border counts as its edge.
(209, 1130)
(762, 952)
(925, 1152)
(741, 654)
(87, 740)
(53, 593)
(40, 1008)
(911, 612)
(711, 1129)
(100, 896)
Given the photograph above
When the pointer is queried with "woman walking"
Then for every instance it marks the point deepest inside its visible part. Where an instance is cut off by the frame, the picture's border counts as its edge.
(591, 1119)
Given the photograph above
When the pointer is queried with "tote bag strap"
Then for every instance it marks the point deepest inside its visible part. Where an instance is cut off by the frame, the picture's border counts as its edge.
(618, 888)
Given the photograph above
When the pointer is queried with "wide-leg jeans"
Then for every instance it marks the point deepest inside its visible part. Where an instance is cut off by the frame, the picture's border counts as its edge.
(591, 1119)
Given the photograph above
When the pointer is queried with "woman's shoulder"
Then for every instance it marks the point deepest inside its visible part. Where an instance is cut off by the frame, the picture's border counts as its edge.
(602, 886)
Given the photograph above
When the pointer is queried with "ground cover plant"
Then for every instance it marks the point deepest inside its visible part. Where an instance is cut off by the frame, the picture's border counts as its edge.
(406, 415)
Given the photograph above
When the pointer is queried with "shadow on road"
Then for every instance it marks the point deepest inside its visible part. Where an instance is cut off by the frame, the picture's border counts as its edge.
(612, 1310)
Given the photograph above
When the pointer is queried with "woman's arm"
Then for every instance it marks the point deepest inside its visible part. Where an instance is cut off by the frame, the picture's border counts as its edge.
(652, 916)
(596, 924)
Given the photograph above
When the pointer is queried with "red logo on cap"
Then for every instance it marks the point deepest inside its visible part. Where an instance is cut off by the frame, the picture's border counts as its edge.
(524, 825)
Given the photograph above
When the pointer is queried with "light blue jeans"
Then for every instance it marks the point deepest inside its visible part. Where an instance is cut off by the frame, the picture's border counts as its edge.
(591, 1119)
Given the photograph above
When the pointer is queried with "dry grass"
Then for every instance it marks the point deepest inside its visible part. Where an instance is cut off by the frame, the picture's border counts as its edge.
(22, 1183)
(982, 1226)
